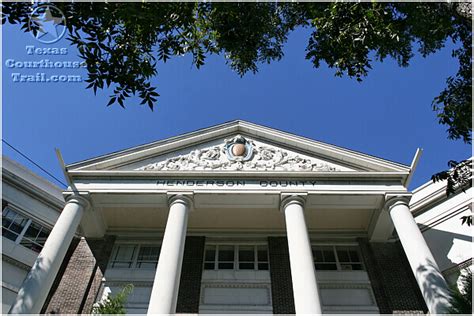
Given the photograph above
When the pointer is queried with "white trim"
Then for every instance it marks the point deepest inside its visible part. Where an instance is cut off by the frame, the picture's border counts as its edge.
(22, 234)
(16, 173)
(236, 174)
(30, 220)
(236, 245)
(10, 287)
(325, 151)
(28, 215)
(334, 246)
(444, 216)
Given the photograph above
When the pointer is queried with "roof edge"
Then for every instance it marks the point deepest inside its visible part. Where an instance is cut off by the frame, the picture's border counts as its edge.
(146, 150)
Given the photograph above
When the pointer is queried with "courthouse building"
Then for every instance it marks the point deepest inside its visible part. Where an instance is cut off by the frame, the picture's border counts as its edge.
(242, 218)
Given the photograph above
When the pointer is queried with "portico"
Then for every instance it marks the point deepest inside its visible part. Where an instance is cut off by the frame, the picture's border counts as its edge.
(238, 184)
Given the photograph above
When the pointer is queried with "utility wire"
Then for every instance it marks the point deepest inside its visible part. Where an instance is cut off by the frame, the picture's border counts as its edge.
(27, 158)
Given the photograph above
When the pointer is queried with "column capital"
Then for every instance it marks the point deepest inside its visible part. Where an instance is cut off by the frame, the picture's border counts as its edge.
(183, 198)
(79, 198)
(292, 198)
(396, 199)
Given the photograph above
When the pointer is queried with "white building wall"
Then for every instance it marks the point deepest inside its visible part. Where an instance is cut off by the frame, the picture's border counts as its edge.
(34, 198)
(439, 218)
(12, 277)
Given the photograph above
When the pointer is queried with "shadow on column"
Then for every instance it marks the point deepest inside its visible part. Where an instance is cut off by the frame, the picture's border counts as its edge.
(433, 284)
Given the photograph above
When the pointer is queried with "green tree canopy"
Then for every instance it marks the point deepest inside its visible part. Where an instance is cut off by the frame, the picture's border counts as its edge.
(123, 43)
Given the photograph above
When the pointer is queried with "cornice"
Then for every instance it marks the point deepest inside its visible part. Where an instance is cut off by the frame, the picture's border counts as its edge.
(35, 192)
(236, 174)
(207, 134)
(458, 267)
(431, 200)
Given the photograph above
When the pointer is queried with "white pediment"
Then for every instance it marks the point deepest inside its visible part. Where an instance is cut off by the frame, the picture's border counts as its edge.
(258, 148)
(235, 153)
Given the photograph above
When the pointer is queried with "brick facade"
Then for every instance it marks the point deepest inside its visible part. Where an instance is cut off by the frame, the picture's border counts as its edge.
(102, 250)
(59, 276)
(280, 274)
(393, 283)
(78, 283)
(191, 274)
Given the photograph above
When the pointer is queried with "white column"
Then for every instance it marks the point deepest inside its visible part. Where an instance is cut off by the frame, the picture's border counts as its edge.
(305, 287)
(35, 288)
(164, 294)
(424, 267)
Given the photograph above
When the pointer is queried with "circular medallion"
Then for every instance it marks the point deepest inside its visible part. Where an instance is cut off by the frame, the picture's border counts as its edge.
(238, 150)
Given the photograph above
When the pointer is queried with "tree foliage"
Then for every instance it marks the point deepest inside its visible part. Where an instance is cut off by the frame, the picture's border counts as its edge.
(124, 43)
(461, 300)
(458, 178)
(113, 304)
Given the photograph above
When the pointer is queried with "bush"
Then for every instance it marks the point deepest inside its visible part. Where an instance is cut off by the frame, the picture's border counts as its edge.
(114, 304)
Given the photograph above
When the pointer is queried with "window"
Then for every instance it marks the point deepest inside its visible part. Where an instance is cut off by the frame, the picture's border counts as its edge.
(236, 257)
(139, 256)
(337, 258)
(13, 224)
(35, 237)
(124, 255)
(22, 230)
(349, 258)
(148, 257)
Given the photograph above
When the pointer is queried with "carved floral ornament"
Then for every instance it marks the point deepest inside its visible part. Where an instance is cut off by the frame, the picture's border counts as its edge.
(239, 153)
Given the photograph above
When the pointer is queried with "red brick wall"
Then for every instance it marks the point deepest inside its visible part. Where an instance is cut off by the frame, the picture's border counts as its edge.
(280, 274)
(393, 282)
(191, 274)
(77, 285)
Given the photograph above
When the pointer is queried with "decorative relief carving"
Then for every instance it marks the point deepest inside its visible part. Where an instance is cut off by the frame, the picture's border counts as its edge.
(239, 153)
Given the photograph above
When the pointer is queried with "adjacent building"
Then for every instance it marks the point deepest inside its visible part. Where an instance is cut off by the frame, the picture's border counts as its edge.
(242, 218)
(439, 217)
(30, 207)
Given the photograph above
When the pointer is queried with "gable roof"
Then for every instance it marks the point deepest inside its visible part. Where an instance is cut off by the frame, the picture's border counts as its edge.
(327, 152)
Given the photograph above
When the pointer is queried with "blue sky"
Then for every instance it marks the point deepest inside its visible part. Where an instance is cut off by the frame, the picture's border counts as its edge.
(388, 115)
